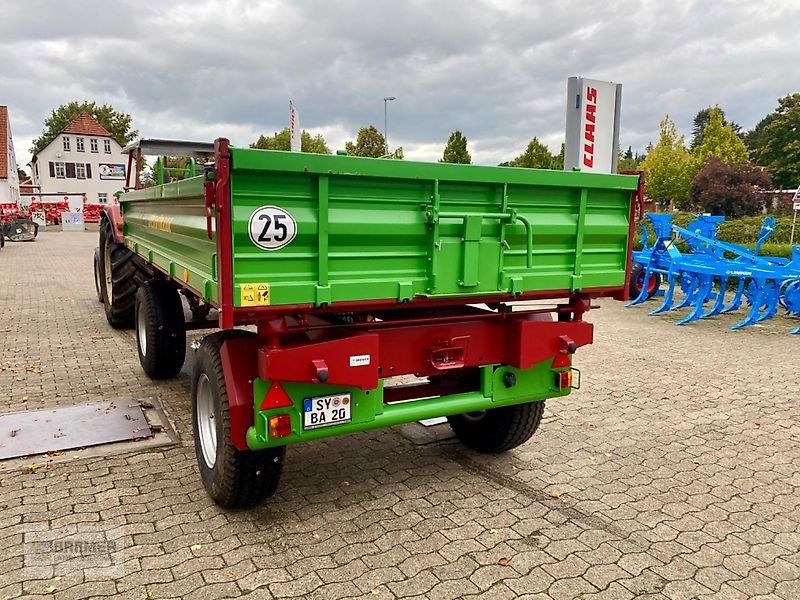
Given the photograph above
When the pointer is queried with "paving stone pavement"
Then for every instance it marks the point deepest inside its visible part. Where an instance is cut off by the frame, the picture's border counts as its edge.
(673, 473)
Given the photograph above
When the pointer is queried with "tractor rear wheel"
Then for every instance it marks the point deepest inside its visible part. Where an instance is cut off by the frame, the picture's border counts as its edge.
(233, 478)
(98, 278)
(160, 329)
(498, 429)
(122, 272)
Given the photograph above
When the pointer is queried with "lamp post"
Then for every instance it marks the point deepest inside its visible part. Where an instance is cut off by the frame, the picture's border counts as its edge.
(386, 101)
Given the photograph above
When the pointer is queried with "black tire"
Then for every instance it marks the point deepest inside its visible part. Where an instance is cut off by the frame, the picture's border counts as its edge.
(499, 429)
(160, 329)
(98, 278)
(234, 478)
(637, 280)
(122, 272)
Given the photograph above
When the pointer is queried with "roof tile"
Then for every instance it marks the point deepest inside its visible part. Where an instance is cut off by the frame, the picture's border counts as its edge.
(86, 124)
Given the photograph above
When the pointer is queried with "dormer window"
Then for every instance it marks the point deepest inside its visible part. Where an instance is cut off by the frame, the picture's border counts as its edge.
(66, 143)
(79, 144)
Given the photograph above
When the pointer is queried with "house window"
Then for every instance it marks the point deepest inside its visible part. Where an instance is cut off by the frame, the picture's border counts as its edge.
(102, 198)
(107, 146)
(93, 144)
(80, 170)
(61, 171)
(79, 144)
(66, 144)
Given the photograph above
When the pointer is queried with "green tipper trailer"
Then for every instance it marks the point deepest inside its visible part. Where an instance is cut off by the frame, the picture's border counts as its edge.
(354, 271)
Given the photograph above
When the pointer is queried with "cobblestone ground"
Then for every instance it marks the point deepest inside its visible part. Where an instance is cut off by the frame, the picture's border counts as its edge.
(673, 473)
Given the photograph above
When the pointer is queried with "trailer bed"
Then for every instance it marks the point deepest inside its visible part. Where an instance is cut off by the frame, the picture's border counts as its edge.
(293, 230)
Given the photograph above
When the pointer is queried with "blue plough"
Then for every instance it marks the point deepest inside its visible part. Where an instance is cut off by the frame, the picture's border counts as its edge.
(712, 268)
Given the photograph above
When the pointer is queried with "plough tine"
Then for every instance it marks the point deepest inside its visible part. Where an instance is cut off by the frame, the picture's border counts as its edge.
(720, 302)
(643, 293)
(771, 302)
(707, 282)
(752, 316)
(668, 297)
(737, 297)
(689, 298)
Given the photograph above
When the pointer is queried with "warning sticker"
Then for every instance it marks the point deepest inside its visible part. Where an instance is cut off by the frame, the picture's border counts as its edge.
(254, 294)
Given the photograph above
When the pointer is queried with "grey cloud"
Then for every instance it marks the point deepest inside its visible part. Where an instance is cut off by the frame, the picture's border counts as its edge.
(494, 69)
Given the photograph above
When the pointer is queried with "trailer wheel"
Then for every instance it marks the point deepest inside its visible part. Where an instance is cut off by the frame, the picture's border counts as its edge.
(98, 278)
(637, 282)
(160, 329)
(121, 274)
(499, 429)
(233, 478)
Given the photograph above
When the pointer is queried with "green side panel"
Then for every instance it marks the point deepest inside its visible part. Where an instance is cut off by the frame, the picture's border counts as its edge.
(370, 229)
(369, 411)
(167, 226)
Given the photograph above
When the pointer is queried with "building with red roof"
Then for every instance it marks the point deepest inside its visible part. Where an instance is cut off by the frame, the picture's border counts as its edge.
(84, 158)
(9, 182)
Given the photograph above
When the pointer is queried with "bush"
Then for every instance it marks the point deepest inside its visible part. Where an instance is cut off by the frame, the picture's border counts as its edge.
(743, 231)
(729, 189)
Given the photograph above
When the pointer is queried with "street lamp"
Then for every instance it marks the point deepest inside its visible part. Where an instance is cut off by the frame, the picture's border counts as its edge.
(386, 121)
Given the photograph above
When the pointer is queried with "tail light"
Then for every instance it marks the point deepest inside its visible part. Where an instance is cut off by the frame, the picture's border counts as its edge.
(280, 426)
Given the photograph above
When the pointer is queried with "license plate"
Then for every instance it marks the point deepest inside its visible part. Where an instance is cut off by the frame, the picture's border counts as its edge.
(324, 411)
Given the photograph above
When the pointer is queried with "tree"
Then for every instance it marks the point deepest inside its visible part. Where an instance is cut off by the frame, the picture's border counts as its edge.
(118, 124)
(21, 174)
(775, 142)
(456, 150)
(369, 142)
(536, 156)
(627, 161)
(729, 189)
(282, 140)
(701, 120)
(719, 140)
(668, 168)
(558, 159)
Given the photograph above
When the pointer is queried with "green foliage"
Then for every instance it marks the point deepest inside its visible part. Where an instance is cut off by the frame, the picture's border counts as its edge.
(536, 156)
(456, 150)
(719, 140)
(668, 168)
(729, 189)
(558, 159)
(21, 174)
(369, 142)
(626, 161)
(118, 124)
(702, 118)
(282, 140)
(775, 142)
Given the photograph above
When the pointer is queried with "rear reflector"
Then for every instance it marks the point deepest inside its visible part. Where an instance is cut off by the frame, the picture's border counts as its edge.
(280, 426)
(276, 397)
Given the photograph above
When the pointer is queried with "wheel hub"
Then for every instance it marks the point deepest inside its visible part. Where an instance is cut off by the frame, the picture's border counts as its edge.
(107, 281)
(206, 421)
(141, 328)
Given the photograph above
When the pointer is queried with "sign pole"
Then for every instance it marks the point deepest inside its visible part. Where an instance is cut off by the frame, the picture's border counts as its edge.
(294, 128)
(796, 207)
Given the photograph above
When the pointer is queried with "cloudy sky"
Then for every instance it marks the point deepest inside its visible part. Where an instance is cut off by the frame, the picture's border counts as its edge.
(495, 69)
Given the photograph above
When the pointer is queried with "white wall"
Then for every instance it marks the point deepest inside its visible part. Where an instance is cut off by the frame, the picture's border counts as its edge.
(90, 186)
(9, 188)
